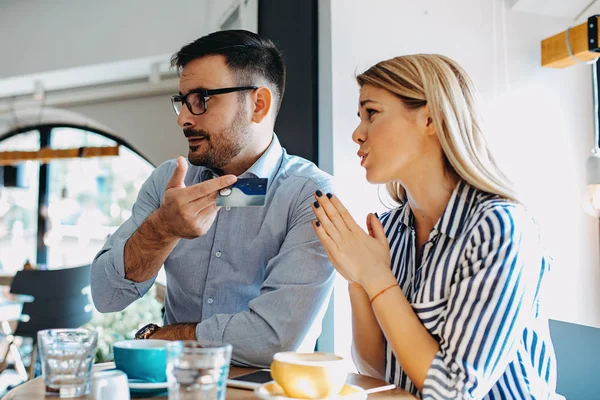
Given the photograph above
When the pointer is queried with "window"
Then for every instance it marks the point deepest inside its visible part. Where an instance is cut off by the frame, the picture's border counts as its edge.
(83, 201)
(19, 207)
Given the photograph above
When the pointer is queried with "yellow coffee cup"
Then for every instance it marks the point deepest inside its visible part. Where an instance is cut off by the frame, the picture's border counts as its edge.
(309, 375)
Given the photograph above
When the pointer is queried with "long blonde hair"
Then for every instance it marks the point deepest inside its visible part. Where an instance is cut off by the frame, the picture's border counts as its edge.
(448, 91)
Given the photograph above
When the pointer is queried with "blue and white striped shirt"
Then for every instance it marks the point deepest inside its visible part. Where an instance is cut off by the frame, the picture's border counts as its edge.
(477, 293)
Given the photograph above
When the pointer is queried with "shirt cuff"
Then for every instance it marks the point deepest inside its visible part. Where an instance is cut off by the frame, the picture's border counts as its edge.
(213, 329)
(116, 274)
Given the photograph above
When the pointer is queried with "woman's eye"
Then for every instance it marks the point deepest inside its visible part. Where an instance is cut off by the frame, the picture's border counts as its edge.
(370, 112)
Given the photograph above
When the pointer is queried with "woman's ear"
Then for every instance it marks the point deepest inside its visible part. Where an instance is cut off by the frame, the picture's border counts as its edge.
(262, 103)
(426, 121)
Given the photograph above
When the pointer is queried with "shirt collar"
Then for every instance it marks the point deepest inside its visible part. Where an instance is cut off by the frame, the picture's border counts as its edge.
(268, 164)
(457, 212)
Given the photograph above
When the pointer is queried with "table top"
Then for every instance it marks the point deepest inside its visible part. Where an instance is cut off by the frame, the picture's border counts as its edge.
(35, 389)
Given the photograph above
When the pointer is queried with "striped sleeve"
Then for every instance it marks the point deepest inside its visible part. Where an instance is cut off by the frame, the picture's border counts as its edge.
(488, 307)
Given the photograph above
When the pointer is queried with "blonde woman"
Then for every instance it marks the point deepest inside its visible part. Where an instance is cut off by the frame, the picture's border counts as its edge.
(444, 288)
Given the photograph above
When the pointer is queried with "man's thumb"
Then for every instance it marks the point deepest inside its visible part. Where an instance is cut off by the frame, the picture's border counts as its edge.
(177, 179)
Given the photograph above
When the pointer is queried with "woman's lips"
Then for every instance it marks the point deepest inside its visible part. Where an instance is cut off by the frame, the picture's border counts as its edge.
(363, 157)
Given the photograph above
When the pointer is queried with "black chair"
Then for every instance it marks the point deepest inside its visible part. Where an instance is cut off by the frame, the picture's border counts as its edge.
(61, 300)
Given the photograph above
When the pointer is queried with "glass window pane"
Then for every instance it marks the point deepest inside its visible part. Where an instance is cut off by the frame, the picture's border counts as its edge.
(19, 207)
(89, 197)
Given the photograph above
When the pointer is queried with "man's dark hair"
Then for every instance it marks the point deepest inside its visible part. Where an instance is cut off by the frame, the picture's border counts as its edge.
(248, 55)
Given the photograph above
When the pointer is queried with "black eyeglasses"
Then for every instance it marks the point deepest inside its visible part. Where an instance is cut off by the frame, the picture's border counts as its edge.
(195, 100)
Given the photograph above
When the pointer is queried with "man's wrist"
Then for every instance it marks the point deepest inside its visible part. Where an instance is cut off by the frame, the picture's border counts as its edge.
(182, 331)
(159, 227)
(146, 331)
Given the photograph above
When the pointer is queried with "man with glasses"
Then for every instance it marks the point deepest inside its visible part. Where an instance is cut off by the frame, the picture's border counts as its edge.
(255, 277)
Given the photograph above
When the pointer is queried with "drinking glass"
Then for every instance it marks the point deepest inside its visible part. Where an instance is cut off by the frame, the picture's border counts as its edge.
(67, 356)
(197, 370)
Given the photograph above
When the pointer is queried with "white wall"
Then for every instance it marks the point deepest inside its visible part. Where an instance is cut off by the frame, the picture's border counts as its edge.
(41, 35)
(539, 120)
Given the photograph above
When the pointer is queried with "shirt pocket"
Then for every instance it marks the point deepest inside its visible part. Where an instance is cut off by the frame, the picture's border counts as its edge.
(432, 314)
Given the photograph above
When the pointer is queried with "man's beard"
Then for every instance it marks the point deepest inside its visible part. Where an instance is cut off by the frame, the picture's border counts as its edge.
(219, 148)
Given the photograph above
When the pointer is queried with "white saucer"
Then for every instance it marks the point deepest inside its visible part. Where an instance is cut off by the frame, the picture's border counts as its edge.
(139, 384)
(272, 391)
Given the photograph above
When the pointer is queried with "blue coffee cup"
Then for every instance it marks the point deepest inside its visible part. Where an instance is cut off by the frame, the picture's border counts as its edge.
(142, 359)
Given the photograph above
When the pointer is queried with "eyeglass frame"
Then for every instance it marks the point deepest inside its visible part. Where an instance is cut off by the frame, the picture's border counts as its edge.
(205, 93)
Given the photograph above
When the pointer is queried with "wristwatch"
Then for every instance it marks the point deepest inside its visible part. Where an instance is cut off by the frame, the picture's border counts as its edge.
(146, 331)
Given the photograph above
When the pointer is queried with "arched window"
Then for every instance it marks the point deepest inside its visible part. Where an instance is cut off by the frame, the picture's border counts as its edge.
(59, 214)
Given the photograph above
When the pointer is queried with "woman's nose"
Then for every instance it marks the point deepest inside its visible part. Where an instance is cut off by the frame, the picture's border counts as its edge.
(359, 135)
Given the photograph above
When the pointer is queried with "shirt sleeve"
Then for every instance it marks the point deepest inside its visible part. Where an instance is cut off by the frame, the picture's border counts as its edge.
(111, 292)
(488, 307)
(293, 296)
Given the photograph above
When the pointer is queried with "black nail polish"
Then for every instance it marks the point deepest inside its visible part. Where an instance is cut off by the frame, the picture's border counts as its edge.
(319, 193)
(316, 204)
(377, 215)
(329, 195)
(318, 223)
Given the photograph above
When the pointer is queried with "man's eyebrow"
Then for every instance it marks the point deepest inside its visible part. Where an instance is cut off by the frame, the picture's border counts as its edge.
(195, 90)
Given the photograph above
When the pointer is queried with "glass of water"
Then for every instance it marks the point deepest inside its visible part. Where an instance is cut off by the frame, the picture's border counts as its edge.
(197, 370)
(67, 357)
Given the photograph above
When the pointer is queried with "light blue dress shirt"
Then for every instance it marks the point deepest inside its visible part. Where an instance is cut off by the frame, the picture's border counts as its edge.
(258, 279)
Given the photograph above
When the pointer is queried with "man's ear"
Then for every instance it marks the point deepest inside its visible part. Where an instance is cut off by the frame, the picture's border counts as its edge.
(262, 102)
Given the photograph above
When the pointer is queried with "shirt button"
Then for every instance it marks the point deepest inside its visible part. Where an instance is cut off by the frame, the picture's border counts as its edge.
(227, 208)
(218, 254)
(210, 300)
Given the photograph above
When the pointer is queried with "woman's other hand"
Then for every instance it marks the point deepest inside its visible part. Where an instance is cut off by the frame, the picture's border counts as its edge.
(359, 257)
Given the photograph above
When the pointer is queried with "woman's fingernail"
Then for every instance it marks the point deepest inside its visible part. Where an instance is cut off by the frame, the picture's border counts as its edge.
(316, 204)
(318, 224)
(319, 193)
(377, 215)
(329, 195)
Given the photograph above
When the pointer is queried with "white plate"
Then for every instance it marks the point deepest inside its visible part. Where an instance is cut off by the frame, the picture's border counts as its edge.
(272, 391)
